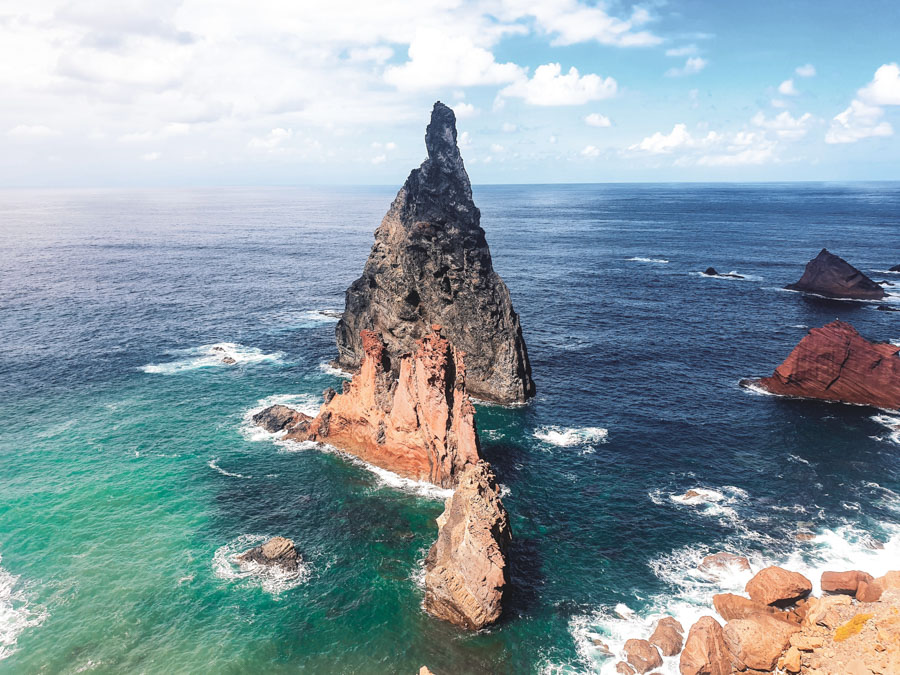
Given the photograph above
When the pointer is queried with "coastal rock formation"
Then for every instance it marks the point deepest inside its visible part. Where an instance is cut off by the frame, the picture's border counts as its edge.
(705, 652)
(730, 607)
(711, 272)
(778, 586)
(845, 583)
(835, 363)
(833, 277)
(277, 552)
(895, 268)
(418, 423)
(668, 636)
(431, 264)
(466, 570)
(757, 642)
(642, 656)
(721, 563)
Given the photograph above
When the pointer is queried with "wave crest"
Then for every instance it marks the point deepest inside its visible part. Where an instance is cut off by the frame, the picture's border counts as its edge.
(212, 355)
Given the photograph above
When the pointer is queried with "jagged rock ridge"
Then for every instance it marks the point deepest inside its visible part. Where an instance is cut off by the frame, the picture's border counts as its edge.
(417, 422)
(466, 570)
(431, 264)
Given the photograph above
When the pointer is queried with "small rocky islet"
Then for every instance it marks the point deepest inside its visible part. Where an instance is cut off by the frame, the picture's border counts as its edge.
(429, 323)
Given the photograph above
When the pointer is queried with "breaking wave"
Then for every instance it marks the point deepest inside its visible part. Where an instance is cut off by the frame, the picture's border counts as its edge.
(212, 355)
(565, 437)
(16, 612)
(273, 580)
(660, 261)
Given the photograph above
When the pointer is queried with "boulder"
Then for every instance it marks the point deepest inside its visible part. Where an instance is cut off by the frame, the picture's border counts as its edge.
(835, 363)
(711, 272)
(833, 277)
(757, 642)
(431, 264)
(718, 564)
(623, 668)
(276, 552)
(843, 582)
(466, 570)
(668, 636)
(642, 655)
(418, 423)
(731, 607)
(705, 652)
(424, 669)
(277, 417)
(228, 361)
(778, 586)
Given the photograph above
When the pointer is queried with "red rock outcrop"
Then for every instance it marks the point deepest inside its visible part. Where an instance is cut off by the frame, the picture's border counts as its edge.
(835, 363)
(642, 656)
(705, 652)
(668, 636)
(731, 606)
(757, 642)
(466, 571)
(419, 424)
(832, 276)
(845, 583)
(778, 586)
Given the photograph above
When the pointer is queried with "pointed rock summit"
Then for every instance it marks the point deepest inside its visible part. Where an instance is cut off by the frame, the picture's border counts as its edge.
(430, 264)
(833, 277)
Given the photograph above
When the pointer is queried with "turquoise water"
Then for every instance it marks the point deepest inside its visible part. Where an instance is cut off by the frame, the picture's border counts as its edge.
(128, 473)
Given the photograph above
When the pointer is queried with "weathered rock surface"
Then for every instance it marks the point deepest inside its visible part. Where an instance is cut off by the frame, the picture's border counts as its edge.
(418, 423)
(466, 570)
(668, 636)
(843, 582)
(835, 363)
(277, 552)
(833, 277)
(778, 586)
(895, 268)
(705, 652)
(642, 656)
(731, 607)
(277, 417)
(431, 264)
(757, 642)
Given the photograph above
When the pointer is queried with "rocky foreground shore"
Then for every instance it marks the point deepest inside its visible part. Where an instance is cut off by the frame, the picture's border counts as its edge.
(778, 627)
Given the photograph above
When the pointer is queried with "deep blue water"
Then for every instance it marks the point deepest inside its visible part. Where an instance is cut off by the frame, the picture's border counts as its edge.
(127, 473)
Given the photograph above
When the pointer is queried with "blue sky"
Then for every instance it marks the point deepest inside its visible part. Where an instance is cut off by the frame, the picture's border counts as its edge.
(232, 92)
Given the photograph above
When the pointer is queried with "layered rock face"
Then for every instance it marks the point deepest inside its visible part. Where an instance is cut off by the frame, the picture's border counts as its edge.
(276, 552)
(833, 277)
(835, 363)
(431, 264)
(466, 570)
(418, 423)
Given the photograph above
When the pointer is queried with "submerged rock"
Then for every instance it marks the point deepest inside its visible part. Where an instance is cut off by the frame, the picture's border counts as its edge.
(277, 552)
(835, 363)
(431, 264)
(228, 361)
(895, 268)
(722, 563)
(887, 308)
(418, 423)
(711, 272)
(466, 570)
(833, 277)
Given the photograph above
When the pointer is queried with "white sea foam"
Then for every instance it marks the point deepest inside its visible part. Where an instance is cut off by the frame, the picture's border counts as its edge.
(273, 580)
(892, 424)
(326, 367)
(659, 261)
(889, 298)
(17, 614)
(565, 437)
(212, 355)
(725, 277)
(214, 464)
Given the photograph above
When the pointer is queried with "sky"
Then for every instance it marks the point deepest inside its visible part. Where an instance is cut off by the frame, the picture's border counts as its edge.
(113, 93)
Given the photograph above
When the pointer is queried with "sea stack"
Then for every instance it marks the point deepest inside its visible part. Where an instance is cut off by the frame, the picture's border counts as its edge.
(417, 422)
(833, 277)
(466, 570)
(835, 363)
(431, 264)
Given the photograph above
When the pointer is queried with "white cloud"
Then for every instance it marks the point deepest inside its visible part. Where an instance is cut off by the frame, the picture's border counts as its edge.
(509, 127)
(272, 141)
(884, 89)
(380, 159)
(693, 65)
(784, 124)
(151, 156)
(787, 88)
(809, 70)
(572, 22)
(686, 50)
(597, 120)
(857, 122)
(464, 140)
(549, 86)
(553, 140)
(590, 151)
(660, 143)
(31, 131)
(496, 148)
(464, 110)
(370, 54)
(439, 59)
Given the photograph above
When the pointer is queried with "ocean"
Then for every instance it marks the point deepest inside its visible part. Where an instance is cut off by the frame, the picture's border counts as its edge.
(129, 473)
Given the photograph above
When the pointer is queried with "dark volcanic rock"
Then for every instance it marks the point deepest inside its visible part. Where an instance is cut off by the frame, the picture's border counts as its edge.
(835, 363)
(895, 268)
(278, 551)
(887, 308)
(277, 417)
(430, 264)
(834, 277)
(711, 272)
